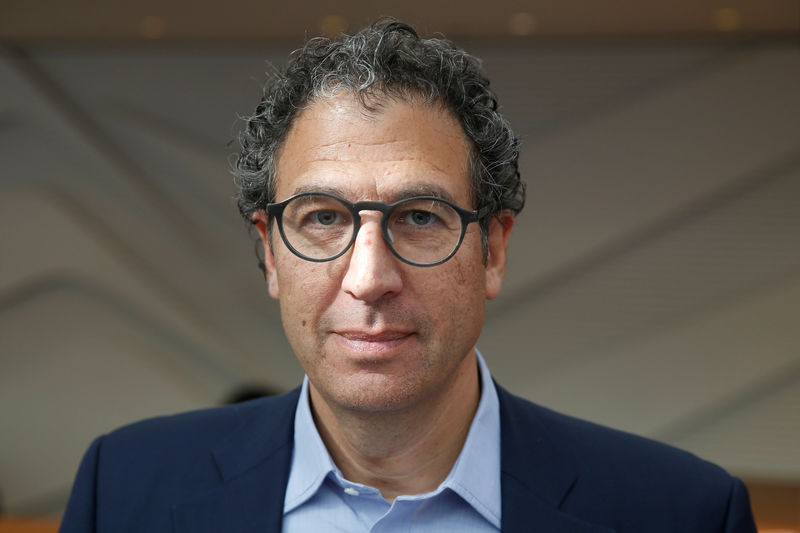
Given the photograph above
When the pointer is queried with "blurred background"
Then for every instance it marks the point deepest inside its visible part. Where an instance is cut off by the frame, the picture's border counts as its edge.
(654, 278)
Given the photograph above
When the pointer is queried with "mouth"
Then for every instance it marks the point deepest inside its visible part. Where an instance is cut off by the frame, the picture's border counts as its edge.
(372, 343)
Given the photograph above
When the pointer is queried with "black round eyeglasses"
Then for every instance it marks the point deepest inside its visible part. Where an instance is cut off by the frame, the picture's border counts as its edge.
(421, 231)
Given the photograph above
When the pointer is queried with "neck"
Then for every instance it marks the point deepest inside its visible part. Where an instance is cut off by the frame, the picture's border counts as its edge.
(408, 451)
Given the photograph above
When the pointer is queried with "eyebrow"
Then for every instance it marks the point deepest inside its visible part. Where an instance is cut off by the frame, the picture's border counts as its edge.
(427, 189)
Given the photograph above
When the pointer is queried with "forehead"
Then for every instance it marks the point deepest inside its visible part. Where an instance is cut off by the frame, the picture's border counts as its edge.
(337, 145)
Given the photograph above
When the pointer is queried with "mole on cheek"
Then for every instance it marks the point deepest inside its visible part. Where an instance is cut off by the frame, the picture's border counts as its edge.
(304, 322)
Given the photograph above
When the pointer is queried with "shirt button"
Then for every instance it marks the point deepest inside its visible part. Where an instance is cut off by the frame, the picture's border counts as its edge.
(351, 491)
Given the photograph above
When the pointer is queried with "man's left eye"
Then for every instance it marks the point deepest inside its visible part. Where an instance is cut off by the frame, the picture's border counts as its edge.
(420, 218)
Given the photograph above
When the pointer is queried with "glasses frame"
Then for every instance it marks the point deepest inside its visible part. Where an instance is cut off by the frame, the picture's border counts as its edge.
(276, 210)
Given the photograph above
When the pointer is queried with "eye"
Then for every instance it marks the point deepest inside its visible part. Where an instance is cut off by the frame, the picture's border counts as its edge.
(325, 218)
(421, 218)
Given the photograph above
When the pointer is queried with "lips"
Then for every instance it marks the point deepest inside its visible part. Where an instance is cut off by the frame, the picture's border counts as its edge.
(372, 342)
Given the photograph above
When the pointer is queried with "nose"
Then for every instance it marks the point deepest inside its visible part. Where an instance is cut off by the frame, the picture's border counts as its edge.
(373, 272)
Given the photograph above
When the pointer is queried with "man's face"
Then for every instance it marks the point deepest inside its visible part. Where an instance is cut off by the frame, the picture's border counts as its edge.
(372, 332)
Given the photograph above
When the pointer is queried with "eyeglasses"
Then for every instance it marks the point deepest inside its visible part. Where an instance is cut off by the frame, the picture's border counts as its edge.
(421, 231)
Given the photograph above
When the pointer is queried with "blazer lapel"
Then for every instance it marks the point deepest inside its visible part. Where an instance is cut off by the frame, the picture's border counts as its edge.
(253, 465)
(524, 512)
(536, 475)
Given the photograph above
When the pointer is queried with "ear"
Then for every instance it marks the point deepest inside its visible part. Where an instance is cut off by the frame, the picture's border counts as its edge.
(261, 222)
(499, 233)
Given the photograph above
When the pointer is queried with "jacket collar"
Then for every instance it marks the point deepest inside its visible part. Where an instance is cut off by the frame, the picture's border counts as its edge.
(253, 464)
(265, 428)
(536, 474)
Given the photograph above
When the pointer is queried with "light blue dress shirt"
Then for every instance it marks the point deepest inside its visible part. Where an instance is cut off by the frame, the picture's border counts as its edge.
(318, 498)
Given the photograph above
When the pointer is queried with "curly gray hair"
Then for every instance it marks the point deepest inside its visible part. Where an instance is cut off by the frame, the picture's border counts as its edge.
(385, 60)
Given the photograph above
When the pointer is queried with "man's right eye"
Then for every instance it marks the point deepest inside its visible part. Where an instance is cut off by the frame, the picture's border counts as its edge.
(326, 218)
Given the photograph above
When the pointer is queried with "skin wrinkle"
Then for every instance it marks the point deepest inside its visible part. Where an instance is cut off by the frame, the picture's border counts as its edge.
(392, 197)
(376, 144)
(351, 143)
(369, 157)
(336, 146)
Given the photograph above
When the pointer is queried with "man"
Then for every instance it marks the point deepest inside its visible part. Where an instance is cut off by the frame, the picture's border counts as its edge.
(383, 184)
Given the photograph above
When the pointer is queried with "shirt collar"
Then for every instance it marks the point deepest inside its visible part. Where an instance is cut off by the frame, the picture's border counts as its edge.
(475, 476)
(311, 461)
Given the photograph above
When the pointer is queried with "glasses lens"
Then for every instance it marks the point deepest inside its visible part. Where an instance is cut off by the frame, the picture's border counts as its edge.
(317, 226)
(424, 231)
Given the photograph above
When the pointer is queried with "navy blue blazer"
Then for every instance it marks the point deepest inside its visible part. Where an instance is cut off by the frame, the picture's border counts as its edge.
(225, 470)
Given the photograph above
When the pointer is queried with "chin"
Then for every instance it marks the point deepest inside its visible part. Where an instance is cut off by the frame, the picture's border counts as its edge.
(376, 395)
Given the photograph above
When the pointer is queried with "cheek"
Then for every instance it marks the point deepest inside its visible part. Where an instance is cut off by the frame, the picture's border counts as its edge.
(468, 292)
(306, 290)
(469, 272)
(456, 290)
(462, 275)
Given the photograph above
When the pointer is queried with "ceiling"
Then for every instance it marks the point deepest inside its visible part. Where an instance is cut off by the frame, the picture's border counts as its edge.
(212, 21)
